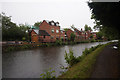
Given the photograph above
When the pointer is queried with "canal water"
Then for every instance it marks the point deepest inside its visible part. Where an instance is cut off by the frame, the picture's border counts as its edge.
(31, 63)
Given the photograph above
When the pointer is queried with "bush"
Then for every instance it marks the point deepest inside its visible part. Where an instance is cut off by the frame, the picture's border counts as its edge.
(70, 58)
(86, 51)
(48, 74)
(93, 40)
(58, 42)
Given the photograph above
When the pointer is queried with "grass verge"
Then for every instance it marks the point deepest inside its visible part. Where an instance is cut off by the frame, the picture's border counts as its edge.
(84, 68)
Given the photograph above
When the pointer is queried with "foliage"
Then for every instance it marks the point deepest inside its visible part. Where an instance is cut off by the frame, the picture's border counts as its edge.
(72, 36)
(70, 58)
(87, 28)
(105, 16)
(10, 31)
(58, 42)
(48, 74)
(37, 24)
(91, 36)
(92, 40)
(99, 35)
(84, 68)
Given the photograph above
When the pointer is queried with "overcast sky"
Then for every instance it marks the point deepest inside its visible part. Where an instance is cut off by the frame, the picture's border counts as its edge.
(66, 12)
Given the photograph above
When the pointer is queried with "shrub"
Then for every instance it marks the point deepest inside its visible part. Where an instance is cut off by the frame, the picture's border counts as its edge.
(86, 51)
(48, 74)
(93, 40)
(70, 58)
(58, 42)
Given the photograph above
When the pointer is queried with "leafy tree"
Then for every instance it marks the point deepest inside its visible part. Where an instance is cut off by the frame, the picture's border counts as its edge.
(99, 35)
(72, 36)
(8, 28)
(91, 36)
(106, 17)
(37, 24)
(87, 28)
(10, 31)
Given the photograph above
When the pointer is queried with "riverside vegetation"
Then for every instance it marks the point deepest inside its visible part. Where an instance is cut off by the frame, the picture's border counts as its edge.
(79, 67)
(16, 47)
(83, 65)
(71, 59)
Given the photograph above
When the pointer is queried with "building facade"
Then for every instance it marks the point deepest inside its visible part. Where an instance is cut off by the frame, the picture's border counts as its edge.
(49, 31)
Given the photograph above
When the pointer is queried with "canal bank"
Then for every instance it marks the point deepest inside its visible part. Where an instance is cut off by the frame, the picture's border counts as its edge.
(7, 48)
(84, 68)
(32, 63)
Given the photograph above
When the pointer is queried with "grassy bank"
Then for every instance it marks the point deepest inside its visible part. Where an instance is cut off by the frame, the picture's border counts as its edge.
(84, 68)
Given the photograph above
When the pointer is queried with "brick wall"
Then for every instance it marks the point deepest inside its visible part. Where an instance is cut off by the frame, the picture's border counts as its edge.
(34, 36)
(53, 35)
(68, 33)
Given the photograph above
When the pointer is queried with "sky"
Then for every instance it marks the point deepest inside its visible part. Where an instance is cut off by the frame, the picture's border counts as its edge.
(66, 12)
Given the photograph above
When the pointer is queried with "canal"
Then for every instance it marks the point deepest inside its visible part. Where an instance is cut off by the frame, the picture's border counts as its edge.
(31, 63)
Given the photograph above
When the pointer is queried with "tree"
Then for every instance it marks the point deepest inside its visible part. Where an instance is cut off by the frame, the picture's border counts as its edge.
(37, 24)
(24, 32)
(11, 31)
(91, 36)
(106, 15)
(99, 35)
(87, 28)
(72, 36)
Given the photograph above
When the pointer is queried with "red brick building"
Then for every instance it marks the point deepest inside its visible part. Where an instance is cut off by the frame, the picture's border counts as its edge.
(68, 33)
(49, 31)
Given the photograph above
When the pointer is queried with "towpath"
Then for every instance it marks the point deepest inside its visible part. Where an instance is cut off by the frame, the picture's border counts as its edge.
(108, 63)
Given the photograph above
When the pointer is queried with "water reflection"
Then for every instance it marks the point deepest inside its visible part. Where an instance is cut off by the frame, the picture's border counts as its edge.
(31, 63)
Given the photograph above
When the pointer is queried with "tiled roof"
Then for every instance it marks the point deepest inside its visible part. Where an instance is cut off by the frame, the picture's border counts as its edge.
(43, 33)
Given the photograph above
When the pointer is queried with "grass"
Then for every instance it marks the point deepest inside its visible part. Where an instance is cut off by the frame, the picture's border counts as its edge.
(84, 68)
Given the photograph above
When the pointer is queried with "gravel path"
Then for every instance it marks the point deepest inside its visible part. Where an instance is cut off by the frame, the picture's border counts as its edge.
(107, 64)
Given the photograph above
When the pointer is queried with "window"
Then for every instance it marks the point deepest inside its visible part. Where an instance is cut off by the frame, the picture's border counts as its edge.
(52, 23)
(57, 31)
(57, 24)
(52, 30)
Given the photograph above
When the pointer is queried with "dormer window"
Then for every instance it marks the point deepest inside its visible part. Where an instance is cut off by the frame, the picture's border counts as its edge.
(52, 24)
(57, 24)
